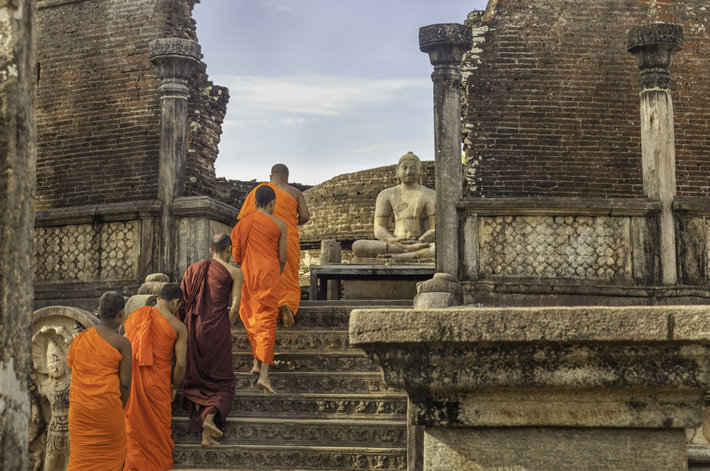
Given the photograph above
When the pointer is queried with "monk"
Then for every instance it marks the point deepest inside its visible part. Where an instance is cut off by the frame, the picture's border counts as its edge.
(290, 207)
(260, 250)
(208, 387)
(100, 360)
(157, 337)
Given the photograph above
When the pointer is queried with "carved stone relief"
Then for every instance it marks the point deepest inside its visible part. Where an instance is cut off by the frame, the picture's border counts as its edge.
(85, 252)
(590, 248)
(53, 330)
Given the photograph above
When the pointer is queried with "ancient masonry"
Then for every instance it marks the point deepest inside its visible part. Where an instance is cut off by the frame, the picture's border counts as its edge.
(17, 161)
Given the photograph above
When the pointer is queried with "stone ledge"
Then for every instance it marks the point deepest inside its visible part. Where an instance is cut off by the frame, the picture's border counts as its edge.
(544, 324)
(126, 211)
(559, 206)
(204, 206)
(568, 287)
(699, 206)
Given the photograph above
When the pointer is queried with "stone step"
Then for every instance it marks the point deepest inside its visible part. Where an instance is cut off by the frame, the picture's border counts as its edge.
(375, 406)
(302, 432)
(280, 457)
(338, 383)
(325, 315)
(298, 340)
(335, 361)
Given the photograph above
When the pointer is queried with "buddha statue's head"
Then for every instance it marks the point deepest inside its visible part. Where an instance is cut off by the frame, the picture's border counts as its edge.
(409, 168)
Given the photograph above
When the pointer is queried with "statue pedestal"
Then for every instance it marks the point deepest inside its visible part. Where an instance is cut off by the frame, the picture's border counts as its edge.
(375, 274)
(546, 388)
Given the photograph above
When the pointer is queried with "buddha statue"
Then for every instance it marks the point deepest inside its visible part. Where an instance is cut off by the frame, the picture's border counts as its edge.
(413, 207)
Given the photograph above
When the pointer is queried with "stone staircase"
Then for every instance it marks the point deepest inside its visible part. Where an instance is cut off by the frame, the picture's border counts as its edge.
(332, 410)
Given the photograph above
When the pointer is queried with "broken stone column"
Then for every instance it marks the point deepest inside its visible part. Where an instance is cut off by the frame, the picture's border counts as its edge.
(538, 389)
(654, 46)
(18, 76)
(331, 252)
(446, 45)
(175, 59)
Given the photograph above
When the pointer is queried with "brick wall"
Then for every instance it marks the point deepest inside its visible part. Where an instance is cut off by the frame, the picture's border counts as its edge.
(552, 99)
(343, 207)
(98, 110)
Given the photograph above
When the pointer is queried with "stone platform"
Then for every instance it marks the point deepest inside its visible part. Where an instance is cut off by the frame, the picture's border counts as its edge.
(584, 388)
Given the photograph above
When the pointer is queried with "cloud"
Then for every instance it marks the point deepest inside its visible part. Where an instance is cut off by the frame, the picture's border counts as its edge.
(320, 95)
(279, 6)
(292, 121)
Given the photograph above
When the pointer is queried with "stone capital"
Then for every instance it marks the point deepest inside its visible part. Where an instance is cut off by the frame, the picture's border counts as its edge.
(654, 46)
(445, 43)
(174, 58)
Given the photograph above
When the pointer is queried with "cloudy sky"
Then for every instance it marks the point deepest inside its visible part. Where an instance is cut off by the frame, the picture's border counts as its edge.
(325, 86)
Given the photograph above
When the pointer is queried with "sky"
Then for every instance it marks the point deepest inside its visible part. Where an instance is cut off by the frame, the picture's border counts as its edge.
(324, 86)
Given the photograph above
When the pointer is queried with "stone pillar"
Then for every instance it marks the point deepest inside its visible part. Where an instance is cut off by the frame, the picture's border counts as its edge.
(600, 388)
(174, 58)
(654, 46)
(18, 76)
(331, 252)
(446, 45)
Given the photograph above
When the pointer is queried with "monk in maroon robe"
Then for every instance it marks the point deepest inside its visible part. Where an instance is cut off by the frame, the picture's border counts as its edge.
(208, 388)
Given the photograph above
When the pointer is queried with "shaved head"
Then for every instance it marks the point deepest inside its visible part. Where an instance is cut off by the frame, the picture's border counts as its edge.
(220, 243)
(280, 169)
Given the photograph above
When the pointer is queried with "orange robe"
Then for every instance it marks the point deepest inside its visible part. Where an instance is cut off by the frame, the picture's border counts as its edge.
(97, 429)
(256, 246)
(287, 210)
(148, 410)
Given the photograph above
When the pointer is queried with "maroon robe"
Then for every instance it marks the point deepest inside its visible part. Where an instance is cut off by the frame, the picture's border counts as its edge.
(209, 381)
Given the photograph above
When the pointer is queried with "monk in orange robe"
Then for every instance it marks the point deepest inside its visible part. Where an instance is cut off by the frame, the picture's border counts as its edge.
(100, 360)
(157, 336)
(292, 209)
(259, 248)
(208, 388)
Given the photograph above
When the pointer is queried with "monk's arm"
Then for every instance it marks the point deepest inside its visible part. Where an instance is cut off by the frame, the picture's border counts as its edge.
(303, 214)
(180, 355)
(124, 369)
(238, 277)
(282, 245)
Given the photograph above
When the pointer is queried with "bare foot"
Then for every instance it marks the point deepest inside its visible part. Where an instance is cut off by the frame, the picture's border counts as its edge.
(207, 439)
(266, 386)
(287, 315)
(209, 425)
(256, 369)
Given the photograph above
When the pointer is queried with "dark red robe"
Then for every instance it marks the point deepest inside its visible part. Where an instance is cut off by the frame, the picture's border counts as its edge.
(209, 381)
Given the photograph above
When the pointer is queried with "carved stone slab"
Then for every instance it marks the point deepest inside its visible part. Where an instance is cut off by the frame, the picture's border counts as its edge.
(53, 329)
(302, 432)
(271, 457)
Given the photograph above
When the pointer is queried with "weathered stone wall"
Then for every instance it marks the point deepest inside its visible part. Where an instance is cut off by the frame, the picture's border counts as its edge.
(17, 183)
(552, 100)
(343, 207)
(98, 110)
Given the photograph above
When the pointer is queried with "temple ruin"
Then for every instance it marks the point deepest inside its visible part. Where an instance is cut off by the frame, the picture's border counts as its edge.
(586, 183)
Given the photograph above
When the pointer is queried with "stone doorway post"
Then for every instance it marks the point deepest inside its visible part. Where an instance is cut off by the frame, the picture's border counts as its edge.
(18, 76)
(654, 46)
(175, 59)
(446, 45)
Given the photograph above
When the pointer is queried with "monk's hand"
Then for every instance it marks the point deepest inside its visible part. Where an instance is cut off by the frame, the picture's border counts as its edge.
(173, 392)
(233, 314)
